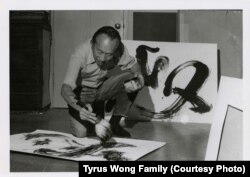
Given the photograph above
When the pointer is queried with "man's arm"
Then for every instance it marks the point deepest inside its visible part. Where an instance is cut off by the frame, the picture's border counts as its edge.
(70, 97)
(75, 64)
(69, 83)
(136, 69)
(85, 112)
(102, 127)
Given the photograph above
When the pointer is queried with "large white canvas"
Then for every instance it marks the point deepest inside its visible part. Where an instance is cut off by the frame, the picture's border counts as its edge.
(66, 146)
(154, 100)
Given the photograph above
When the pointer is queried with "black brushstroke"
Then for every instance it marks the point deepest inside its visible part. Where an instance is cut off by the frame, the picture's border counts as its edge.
(187, 94)
(190, 92)
(75, 151)
(142, 58)
(70, 141)
(113, 144)
(41, 142)
(114, 156)
(95, 148)
(45, 151)
(82, 151)
(195, 83)
(160, 64)
(40, 135)
(71, 148)
(151, 114)
(77, 143)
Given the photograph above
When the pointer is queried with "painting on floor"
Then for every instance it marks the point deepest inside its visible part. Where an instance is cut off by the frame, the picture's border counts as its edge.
(181, 80)
(66, 146)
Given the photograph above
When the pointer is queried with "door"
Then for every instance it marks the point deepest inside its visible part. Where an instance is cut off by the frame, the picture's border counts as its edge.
(70, 28)
(110, 18)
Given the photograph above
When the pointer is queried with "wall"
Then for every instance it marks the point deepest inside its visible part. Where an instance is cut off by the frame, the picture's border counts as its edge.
(70, 28)
(220, 26)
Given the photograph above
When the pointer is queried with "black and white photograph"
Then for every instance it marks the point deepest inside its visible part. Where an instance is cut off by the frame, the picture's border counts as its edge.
(124, 85)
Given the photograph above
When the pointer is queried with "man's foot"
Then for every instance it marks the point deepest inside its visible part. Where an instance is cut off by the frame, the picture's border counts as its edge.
(120, 131)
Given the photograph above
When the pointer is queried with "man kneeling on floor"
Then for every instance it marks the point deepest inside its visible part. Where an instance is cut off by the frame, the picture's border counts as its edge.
(96, 74)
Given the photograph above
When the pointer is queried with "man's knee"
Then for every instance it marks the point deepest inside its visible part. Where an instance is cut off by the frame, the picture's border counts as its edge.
(77, 129)
(80, 134)
(112, 86)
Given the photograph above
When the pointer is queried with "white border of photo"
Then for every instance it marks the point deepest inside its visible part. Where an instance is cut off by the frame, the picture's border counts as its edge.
(7, 5)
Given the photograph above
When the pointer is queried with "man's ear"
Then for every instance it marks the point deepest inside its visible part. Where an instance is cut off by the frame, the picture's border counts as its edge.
(91, 42)
(120, 49)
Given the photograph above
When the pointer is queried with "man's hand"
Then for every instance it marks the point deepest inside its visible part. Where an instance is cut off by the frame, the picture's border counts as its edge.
(87, 95)
(86, 113)
(103, 130)
(140, 79)
(134, 84)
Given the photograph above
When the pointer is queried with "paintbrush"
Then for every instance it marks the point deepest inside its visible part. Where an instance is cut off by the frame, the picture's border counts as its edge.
(105, 140)
(103, 131)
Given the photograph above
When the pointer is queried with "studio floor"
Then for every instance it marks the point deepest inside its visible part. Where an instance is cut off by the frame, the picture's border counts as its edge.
(184, 141)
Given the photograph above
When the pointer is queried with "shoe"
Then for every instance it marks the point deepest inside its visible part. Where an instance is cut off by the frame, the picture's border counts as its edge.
(120, 131)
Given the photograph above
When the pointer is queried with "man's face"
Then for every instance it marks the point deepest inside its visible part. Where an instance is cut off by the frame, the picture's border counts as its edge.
(104, 50)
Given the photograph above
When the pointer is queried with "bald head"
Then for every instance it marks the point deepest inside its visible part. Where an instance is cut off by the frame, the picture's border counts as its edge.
(106, 46)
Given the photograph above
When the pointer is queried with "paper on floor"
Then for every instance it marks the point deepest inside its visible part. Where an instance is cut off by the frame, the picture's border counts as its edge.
(66, 146)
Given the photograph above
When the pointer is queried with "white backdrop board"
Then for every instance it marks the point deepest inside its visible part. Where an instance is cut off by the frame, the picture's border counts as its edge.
(231, 143)
(226, 136)
(191, 67)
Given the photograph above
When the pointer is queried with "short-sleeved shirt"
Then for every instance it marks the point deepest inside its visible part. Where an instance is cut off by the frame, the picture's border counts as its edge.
(82, 64)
